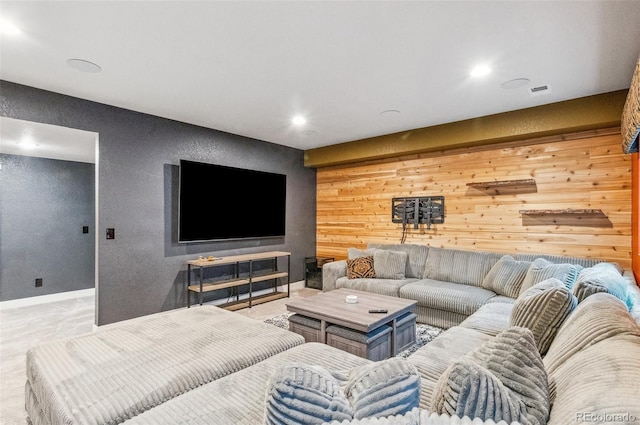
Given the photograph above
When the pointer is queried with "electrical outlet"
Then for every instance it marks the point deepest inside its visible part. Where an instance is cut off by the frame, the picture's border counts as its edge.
(111, 233)
(38, 282)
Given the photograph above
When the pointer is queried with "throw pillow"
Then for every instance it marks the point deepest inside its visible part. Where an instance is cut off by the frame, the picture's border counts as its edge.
(304, 394)
(389, 264)
(542, 269)
(356, 252)
(602, 278)
(384, 388)
(361, 267)
(502, 379)
(542, 309)
(506, 276)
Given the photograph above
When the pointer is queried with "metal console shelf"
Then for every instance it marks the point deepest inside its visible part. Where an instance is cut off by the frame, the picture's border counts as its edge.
(252, 277)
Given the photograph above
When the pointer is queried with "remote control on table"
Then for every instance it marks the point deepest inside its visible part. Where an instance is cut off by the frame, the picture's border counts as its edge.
(381, 310)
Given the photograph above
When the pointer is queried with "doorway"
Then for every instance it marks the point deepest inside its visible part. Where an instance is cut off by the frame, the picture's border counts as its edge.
(48, 211)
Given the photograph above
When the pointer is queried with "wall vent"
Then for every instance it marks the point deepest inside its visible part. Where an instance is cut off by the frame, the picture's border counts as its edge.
(540, 90)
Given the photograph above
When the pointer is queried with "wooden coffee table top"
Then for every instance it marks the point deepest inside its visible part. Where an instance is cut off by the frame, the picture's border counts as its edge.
(331, 307)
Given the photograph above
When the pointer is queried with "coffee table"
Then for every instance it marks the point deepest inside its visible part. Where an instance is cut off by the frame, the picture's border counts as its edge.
(330, 308)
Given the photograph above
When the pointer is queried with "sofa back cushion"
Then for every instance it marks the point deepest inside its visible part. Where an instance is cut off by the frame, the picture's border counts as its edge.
(599, 384)
(541, 270)
(390, 264)
(592, 365)
(559, 259)
(417, 256)
(506, 276)
(598, 318)
(459, 266)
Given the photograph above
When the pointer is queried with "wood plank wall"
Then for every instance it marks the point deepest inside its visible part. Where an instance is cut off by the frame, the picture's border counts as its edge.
(576, 171)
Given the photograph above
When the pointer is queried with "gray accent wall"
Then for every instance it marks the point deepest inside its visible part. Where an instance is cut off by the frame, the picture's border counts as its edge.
(44, 204)
(142, 270)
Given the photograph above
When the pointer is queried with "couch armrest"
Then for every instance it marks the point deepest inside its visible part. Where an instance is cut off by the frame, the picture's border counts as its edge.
(331, 272)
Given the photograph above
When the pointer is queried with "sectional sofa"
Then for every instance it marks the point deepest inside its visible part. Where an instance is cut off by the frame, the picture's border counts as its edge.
(205, 365)
(450, 285)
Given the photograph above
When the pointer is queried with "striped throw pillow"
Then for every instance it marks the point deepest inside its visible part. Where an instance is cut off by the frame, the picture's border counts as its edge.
(543, 308)
(502, 379)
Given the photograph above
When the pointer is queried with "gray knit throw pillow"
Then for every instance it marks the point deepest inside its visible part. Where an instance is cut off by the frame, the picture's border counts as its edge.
(503, 379)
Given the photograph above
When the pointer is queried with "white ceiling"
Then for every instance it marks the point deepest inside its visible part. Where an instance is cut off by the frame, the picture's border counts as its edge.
(247, 67)
(18, 137)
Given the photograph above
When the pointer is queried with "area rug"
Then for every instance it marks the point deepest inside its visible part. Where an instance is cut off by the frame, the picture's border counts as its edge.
(424, 333)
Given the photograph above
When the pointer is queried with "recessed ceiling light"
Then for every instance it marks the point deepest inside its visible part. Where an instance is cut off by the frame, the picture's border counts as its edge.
(515, 83)
(9, 28)
(480, 71)
(83, 65)
(299, 120)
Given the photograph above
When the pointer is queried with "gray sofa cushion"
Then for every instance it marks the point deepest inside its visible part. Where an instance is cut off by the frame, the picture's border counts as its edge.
(542, 309)
(390, 287)
(122, 370)
(390, 264)
(416, 260)
(502, 379)
(454, 297)
(559, 259)
(491, 318)
(506, 276)
(458, 266)
(433, 359)
(599, 384)
(597, 318)
(239, 398)
(357, 252)
(300, 393)
(542, 269)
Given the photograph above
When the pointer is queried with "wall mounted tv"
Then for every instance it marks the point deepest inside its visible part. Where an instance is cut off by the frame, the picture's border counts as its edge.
(217, 202)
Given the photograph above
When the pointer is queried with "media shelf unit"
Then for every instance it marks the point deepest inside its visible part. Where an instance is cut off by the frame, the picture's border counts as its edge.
(238, 280)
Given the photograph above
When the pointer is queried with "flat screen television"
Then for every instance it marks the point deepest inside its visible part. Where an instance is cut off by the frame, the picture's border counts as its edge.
(217, 202)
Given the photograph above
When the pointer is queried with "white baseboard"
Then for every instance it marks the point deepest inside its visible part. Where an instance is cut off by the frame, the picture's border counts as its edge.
(42, 299)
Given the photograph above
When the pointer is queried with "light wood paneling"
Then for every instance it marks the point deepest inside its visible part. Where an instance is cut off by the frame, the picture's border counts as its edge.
(577, 171)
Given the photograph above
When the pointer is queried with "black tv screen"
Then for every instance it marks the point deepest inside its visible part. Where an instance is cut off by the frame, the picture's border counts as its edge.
(218, 202)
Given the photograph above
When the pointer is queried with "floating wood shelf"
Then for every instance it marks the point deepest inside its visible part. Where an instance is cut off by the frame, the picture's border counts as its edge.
(502, 184)
(563, 211)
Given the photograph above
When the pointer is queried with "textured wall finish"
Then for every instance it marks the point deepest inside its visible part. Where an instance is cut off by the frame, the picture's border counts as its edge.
(44, 205)
(578, 171)
(142, 270)
(586, 113)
